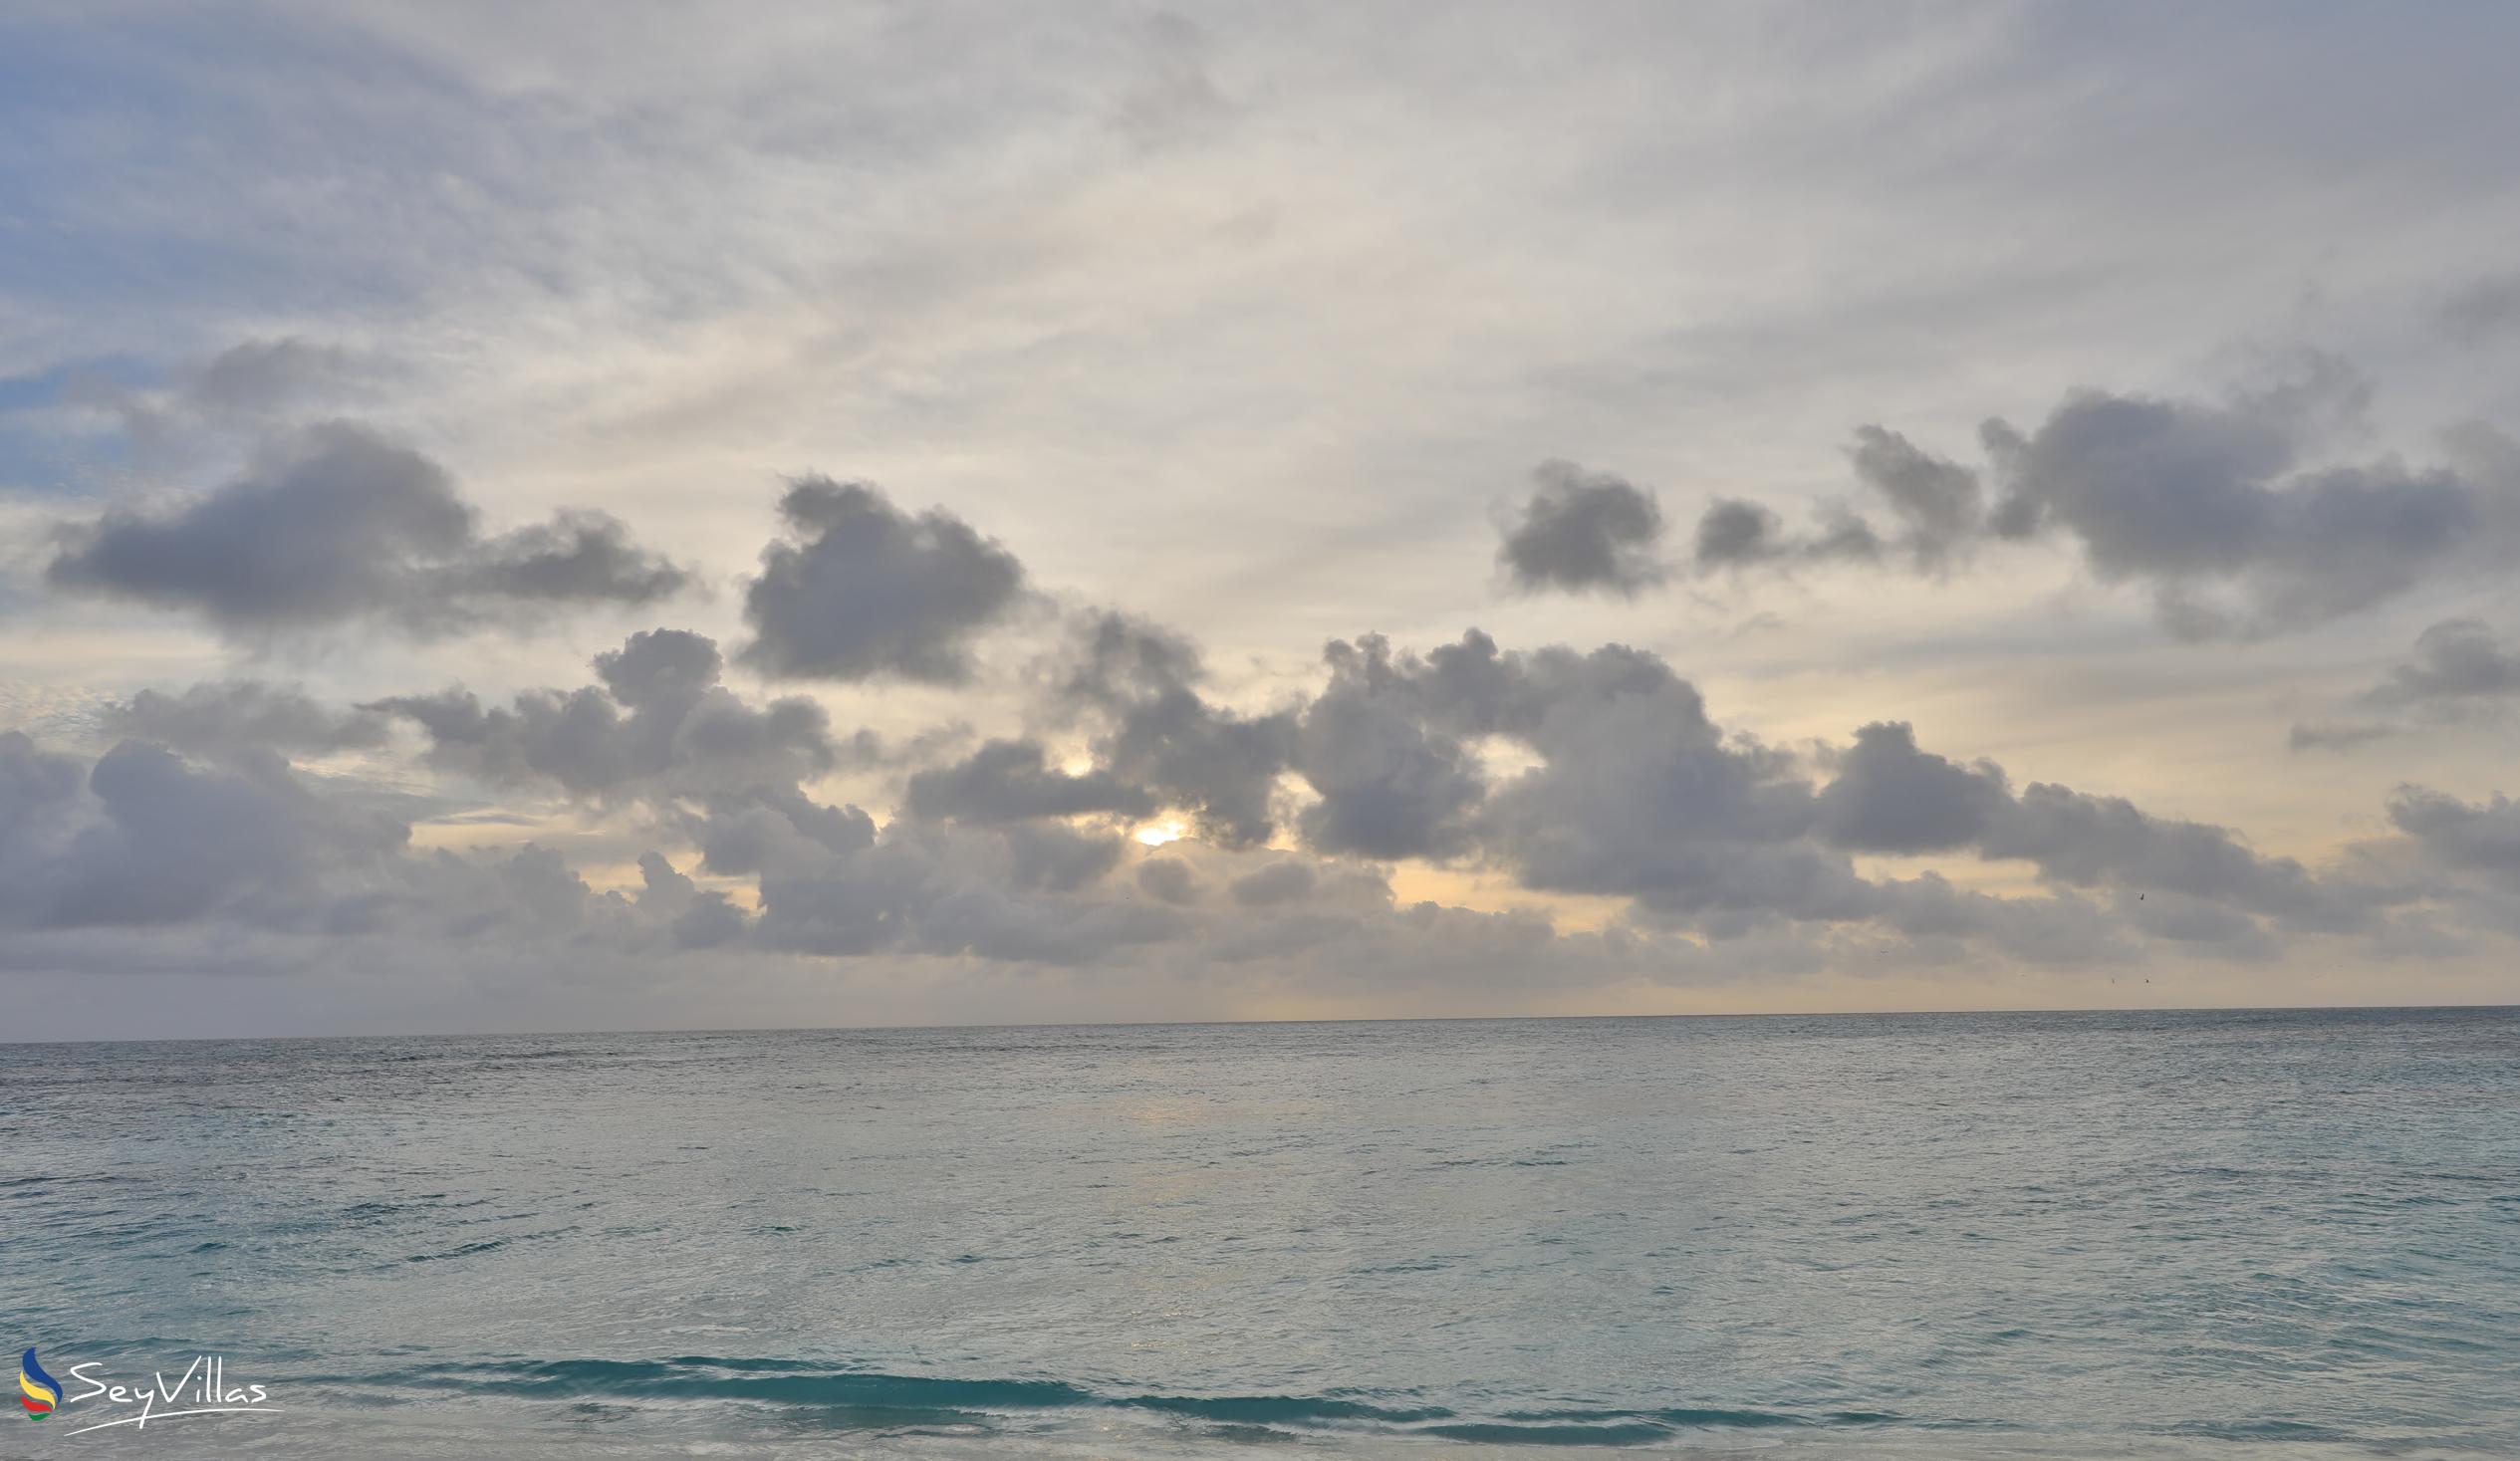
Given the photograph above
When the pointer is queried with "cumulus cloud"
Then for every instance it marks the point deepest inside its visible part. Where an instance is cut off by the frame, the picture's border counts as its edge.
(1141, 683)
(337, 525)
(1011, 781)
(2482, 837)
(256, 378)
(230, 715)
(1583, 531)
(1939, 504)
(1735, 534)
(2207, 506)
(1171, 880)
(141, 836)
(1279, 882)
(660, 724)
(2459, 664)
(1638, 794)
(1891, 797)
(1388, 785)
(2218, 509)
(2462, 672)
(1626, 787)
(859, 589)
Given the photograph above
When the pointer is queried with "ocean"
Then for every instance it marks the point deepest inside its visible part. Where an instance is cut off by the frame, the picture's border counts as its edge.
(2234, 1234)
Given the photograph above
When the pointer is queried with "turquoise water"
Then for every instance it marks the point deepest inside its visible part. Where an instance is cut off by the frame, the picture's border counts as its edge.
(2245, 1234)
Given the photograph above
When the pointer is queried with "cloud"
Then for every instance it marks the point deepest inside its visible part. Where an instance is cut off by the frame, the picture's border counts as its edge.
(2204, 504)
(1581, 531)
(2462, 672)
(2343, 736)
(2215, 508)
(859, 589)
(2459, 664)
(337, 525)
(1389, 787)
(2480, 836)
(228, 716)
(1139, 682)
(2482, 310)
(143, 838)
(660, 725)
(257, 378)
(1940, 504)
(1010, 781)
(1735, 534)
(1630, 790)
(1279, 882)
(1638, 794)
(999, 894)
(1889, 796)
(1057, 858)
(2090, 840)
(1171, 880)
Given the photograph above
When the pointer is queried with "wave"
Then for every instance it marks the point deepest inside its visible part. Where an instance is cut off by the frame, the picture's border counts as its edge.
(867, 1399)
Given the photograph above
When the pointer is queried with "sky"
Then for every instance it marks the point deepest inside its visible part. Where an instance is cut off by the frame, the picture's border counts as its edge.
(599, 516)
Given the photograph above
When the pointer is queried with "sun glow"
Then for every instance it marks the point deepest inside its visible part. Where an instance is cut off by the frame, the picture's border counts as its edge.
(1161, 833)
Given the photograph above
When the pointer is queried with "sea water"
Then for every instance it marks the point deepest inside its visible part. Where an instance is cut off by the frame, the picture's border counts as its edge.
(2259, 1234)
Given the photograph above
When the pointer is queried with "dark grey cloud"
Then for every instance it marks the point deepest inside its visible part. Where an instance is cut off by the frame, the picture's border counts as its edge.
(257, 378)
(230, 715)
(1735, 534)
(2462, 672)
(2479, 837)
(859, 589)
(335, 524)
(1057, 858)
(2203, 505)
(1140, 683)
(1891, 797)
(1940, 505)
(1011, 781)
(695, 917)
(2482, 310)
(1389, 786)
(2459, 664)
(1583, 531)
(580, 557)
(1640, 794)
(1888, 796)
(2218, 509)
(1002, 893)
(1171, 880)
(777, 829)
(2090, 840)
(2336, 736)
(659, 725)
(143, 838)
(1279, 882)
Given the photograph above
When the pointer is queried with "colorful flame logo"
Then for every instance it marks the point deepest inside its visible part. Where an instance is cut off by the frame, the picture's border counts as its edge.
(40, 1392)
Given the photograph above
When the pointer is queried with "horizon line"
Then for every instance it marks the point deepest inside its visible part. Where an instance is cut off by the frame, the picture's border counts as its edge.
(1316, 1020)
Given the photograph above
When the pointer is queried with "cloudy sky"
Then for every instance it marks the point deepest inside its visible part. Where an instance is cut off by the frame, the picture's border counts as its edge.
(612, 515)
